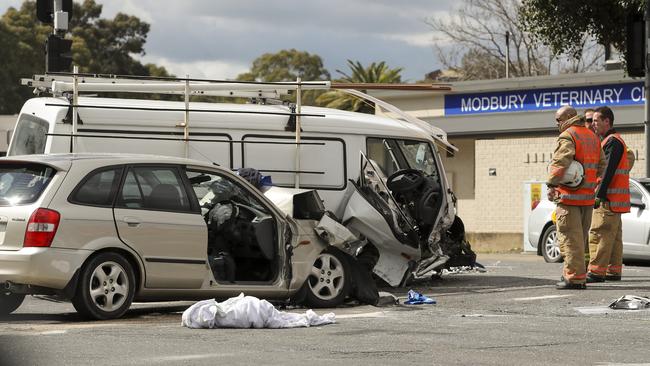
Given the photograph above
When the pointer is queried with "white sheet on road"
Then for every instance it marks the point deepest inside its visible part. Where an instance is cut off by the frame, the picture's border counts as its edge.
(248, 312)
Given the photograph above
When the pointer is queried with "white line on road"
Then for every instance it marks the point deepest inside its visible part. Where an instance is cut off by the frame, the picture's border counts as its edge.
(540, 297)
(376, 314)
(187, 357)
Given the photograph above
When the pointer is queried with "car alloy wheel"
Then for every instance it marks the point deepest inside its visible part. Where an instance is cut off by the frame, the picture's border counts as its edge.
(106, 287)
(109, 286)
(550, 248)
(328, 282)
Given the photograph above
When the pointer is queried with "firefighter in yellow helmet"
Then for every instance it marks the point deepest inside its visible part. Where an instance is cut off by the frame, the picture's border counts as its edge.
(574, 205)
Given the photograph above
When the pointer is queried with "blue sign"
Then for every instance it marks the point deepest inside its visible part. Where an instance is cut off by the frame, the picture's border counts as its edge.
(544, 99)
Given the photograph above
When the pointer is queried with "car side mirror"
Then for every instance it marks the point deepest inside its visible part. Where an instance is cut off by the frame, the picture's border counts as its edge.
(636, 202)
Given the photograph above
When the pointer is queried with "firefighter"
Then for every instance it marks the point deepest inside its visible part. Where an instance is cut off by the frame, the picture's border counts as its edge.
(574, 205)
(612, 200)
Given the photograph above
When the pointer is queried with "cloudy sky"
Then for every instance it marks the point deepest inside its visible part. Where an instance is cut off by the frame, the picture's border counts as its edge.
(221, 38)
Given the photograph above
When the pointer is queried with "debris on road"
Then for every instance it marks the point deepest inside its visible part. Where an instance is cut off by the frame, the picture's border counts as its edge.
(631, 302)
(416, 298)
(248, 312)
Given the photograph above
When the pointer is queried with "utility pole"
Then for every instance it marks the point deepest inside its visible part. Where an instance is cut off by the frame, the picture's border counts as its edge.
(507, 54)
(646, 91)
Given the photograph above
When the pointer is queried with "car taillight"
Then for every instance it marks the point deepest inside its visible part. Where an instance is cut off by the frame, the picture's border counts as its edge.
(41, 228)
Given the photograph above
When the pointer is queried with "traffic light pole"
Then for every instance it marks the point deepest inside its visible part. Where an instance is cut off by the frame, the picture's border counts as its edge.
(647, 91)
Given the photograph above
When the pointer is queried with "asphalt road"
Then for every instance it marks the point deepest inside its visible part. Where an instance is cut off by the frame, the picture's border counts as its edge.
(510, 315)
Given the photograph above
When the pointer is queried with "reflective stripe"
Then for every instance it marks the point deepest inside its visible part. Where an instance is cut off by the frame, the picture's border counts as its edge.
(622, 171)
(618, 191)
(619, 204)
(590, 165)
(589, 185)
(578, 197)
(616, 267)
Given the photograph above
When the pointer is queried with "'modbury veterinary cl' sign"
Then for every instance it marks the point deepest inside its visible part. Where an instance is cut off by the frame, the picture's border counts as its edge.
(544, 99)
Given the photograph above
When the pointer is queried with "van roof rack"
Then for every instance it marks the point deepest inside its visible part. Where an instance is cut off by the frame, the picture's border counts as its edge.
(71, 84)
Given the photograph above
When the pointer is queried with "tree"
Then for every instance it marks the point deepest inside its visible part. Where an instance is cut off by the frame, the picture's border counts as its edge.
(373, 73)
(288, 65)
(476, 45)
(563, 24)
(99, 46)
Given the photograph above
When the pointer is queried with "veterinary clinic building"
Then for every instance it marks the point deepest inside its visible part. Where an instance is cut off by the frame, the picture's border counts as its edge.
(505, 131)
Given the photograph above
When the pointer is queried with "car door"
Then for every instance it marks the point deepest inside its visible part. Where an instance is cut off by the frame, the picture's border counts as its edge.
(155, 217)
(243, 227)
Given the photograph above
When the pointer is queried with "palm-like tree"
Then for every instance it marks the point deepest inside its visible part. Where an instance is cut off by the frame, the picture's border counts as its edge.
(374, 73)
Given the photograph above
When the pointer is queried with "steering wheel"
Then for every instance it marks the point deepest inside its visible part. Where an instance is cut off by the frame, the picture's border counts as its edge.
(405, 180)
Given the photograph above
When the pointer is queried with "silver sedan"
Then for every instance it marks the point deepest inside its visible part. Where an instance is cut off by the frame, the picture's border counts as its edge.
(636, 226)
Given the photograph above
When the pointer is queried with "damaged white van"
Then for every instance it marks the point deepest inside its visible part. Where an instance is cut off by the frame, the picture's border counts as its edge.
(381, 178)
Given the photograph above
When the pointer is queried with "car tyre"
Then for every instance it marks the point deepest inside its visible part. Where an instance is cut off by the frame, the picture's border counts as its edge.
(550, 247)
(329, 280)
(9, 303)
(105, 288)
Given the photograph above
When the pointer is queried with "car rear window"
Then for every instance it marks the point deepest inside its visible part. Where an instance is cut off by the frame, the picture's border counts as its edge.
(23, 183)
(98, 188)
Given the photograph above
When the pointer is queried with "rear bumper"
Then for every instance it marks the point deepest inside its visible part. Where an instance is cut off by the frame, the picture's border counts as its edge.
(44, 267)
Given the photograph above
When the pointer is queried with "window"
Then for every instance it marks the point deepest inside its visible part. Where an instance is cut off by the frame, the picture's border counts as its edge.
(22, 184)
(381, 152)
(98, 189)
(392, 155)
(635, 194)
(211, 188)
(153, 188)
(30, 136)
(418, 155)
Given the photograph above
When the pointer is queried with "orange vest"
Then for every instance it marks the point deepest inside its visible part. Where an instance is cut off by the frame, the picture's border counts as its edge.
(618, 192)
(587, 154)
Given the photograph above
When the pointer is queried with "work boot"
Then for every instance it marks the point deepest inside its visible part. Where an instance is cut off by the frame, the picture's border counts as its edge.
(613, 278)
(564, 285)
(592, 278)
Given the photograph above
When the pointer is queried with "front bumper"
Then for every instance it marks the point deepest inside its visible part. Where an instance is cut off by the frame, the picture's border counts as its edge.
(43, 267)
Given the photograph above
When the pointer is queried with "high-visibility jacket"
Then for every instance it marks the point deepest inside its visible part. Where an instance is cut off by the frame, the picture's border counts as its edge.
(618, 192)
(588, 154)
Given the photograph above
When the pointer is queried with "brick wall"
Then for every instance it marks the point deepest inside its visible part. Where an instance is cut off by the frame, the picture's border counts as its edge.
(497, 205)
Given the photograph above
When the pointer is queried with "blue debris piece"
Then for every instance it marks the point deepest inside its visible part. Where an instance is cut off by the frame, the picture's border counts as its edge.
(416, 298)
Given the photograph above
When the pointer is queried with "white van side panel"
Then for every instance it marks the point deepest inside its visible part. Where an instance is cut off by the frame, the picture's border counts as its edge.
(325, 162)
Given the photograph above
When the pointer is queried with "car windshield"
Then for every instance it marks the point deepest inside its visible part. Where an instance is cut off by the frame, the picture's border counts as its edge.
(22, 184)
(646, 185)
(418, 155)
(392, 155)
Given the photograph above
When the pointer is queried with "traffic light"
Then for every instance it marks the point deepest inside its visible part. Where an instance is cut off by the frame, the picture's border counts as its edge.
(45, 9)
(58, 57)
(635, 44)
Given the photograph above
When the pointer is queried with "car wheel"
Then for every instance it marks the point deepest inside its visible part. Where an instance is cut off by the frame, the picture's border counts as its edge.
(328, 283)
(550, 247)
(106, 287)
(9, 303)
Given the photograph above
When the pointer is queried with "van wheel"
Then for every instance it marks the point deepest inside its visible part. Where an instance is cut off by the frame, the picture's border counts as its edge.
(106, 287)
(9, 303)
(550, 247)
(329, 281)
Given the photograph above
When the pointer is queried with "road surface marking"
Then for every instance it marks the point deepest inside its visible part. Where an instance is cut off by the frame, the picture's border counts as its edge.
(540, 297)
(376, 314)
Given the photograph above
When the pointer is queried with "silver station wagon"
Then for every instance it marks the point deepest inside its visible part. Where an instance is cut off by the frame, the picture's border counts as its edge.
(105, 230)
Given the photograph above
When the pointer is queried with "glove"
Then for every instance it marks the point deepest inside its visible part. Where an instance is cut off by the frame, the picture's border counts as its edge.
(597, 202)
